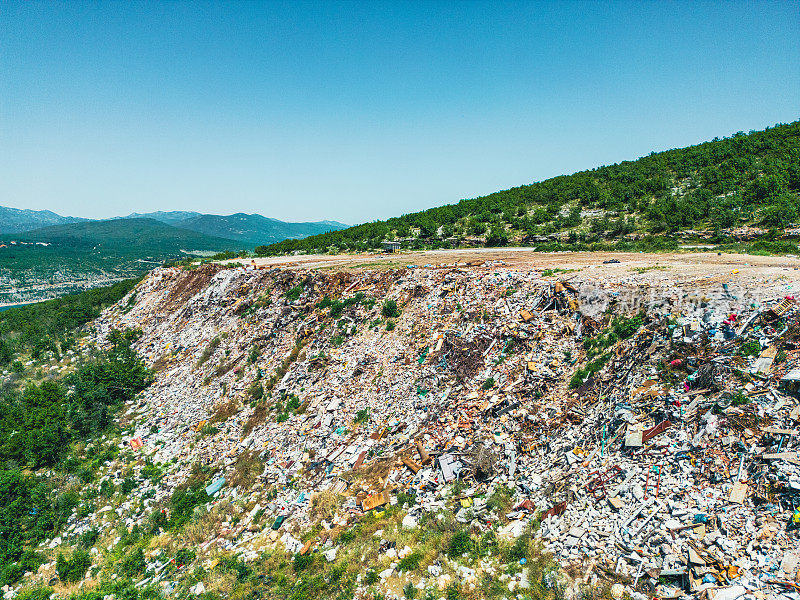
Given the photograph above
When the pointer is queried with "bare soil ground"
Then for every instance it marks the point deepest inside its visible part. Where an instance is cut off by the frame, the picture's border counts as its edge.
(635, 268)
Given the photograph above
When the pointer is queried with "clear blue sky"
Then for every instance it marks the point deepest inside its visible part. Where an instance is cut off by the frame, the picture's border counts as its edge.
(358, 111)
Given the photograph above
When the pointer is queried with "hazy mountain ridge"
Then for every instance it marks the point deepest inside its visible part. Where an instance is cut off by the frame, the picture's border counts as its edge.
(250, 229)
(169, 217)
(254, 228)
(67, 257)
(123, 236)
(15, 220)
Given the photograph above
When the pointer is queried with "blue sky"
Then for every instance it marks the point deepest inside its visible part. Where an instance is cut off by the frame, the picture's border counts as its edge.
(356, 111)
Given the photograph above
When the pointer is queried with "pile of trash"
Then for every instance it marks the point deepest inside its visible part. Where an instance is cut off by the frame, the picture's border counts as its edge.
(648, 439)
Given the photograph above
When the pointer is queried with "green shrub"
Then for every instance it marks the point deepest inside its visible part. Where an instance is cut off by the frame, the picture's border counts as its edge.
(390, 309)
(209, 429)
(486, 543)
(500, 499)
(390, 325)
(88, 538)
(453, 592)
(626, 327)
(488, 384)
(740, 399)
(348, 536)
(128, 485)
(74, 569)
(11, 574)
(293, 403)
(133, 564)
(29, 561)
(183, 503)
(232, 564)
(256, 391)
(107, 488)
(43, 593)
(752, 348)
(410, 562)
(252, 357)
(301, 562)
(293, 294)
(460, 543)
(209, 350)
(185, 556)
(520, 549)
(577, 378)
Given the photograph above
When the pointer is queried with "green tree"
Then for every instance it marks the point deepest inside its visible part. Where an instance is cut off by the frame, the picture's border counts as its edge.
(724, 213)
(74, 569)
(781, 213)
(497, 236)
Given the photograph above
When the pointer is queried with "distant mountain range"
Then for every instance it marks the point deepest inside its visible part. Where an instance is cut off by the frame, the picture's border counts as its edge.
(138, 237)
(170, 218)
(15, 220)
(61, 259)
(247, 230)
(43, 254)
(252, 229)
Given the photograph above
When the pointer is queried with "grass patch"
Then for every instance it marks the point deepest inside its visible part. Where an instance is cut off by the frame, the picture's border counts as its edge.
(460, 544)
(390, 310)
(641, 270)
(209, 350)
(246, 470)
(551, 272)
(224, 411)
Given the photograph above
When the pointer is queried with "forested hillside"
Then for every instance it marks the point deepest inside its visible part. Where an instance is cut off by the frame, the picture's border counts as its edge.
(125, 237)
(710, 188)
(63, 259)
(57, 403)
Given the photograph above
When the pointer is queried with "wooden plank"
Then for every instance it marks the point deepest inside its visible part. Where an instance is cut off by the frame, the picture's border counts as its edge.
(654, 431)
(779, 455)
(413, 465)
(778, 431)
(616, 502)
(360, 459)
(790, 456)
(425, 458)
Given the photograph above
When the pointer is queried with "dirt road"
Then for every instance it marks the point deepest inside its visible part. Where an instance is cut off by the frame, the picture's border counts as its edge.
(698, 264)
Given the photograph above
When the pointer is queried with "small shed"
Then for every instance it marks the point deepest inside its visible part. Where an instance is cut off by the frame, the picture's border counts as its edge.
(390, 247)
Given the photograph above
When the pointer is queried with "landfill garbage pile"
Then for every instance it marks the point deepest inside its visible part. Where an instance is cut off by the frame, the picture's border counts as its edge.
(646, 438)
